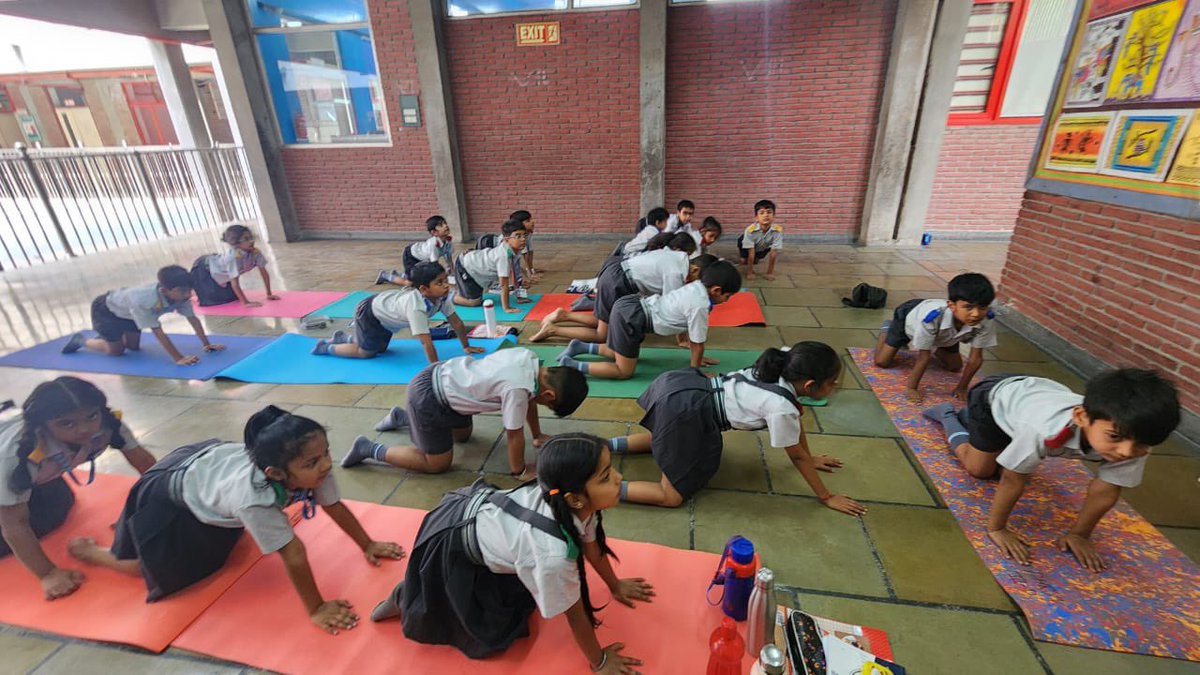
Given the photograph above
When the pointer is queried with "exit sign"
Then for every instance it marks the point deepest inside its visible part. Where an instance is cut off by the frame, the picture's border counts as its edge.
(538, 34)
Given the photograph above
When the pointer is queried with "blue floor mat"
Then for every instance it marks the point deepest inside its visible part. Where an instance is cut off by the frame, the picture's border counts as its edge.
(149, 361)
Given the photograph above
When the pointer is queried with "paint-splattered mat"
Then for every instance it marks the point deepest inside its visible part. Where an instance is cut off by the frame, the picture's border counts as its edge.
(1146, 602)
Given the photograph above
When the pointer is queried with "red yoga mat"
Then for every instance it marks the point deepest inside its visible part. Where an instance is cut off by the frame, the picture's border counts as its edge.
(109, 607)
(290, 305)
(741, 310)
(260, 622)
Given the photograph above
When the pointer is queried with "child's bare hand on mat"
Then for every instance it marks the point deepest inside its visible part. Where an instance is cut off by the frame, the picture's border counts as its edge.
(60, 583)
(961, 394)
(615, 664)
(845, 505)
(334, 615)
(914, 395)
(252, 303)
(706, 361)
(628, 590)
(540, 439)
(512, 310)
(770, 277)
(272, 296)
(187, 360)
(473, 350)
(383, 549)
(1012, 544)
(826, 463)
(524, 301)
(1084, 552)
(214, 347)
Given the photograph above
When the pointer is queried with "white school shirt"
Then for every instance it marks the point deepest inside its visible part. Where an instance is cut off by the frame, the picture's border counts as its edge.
(682, 310)
(222, 487)
(673, 225)
(144, 304)
(407, 308)
(638, 243)
(512, 546)
(503, 381)
(657, 272)
(1036, 413)
(430, 250)
(754, 237)
(930, 325)
(487, 265)
(49, 459)
(233, 263)
(749, 408)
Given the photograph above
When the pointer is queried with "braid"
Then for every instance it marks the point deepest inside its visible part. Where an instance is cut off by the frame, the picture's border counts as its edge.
(110, 422)
(20, 480)
(565, 518)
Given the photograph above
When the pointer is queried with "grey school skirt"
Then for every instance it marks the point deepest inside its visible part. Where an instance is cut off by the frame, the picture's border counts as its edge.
(685, 426)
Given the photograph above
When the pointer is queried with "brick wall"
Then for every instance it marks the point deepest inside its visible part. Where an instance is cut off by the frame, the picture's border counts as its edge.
(554, 130)
(980, 178)
(775, 100)
(1120, 284)
(371, 189)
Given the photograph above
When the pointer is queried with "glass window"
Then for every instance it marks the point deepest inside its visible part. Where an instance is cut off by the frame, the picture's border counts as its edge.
(460, 8)
(297, 13)
(1042, 41)
(980, 56)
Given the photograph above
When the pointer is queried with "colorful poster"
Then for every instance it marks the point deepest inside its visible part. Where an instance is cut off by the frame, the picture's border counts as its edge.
(1089, 77)
(1109, 7)
(1187, 162)
(1143, 51)
(1180, 76)
(1142, 143)
(1078, 141)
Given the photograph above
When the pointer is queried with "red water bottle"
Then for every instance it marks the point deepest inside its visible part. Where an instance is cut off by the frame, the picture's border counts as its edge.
(725, 649)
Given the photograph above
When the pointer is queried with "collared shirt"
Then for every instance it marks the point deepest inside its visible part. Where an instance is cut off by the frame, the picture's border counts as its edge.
(638, 243)
(144, 304)
(233, 263)
(755, 238)
(50, 458)
(657, 272)
(504, 381)
(407, 308)
(431, 249)
(682, 310)
(487, 265)
(749, 408)
(673, 225)
(931, 325)
(1036, 413)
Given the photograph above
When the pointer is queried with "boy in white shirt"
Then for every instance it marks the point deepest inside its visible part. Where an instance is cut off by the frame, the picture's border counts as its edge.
(681, 220)
(475, 271)
(438, 247)
(653, 224)
(1012, 423)
(378, 317)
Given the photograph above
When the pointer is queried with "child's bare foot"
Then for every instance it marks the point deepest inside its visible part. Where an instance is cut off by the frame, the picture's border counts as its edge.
(85, 549)
(526, 475)
(554, 317)
(547, 330)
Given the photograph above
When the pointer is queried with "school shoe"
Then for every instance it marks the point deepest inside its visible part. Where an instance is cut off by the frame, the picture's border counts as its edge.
(396, 418)
(321, 348)
(74, 343)
(339, 337)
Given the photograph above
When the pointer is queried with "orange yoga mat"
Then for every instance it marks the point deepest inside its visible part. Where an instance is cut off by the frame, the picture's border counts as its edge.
(741, 310)
(109, 607)
(260, 622)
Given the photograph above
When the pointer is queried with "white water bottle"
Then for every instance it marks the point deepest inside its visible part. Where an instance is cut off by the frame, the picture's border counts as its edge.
(760, 614)
(489, 317)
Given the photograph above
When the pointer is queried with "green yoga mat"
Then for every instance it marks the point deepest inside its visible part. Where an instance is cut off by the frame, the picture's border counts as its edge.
(652, 363)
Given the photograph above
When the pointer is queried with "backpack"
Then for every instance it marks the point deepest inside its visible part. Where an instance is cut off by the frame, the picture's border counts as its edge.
(866, 296)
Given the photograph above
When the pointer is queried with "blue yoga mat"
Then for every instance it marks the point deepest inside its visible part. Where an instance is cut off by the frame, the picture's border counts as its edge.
(344, 308)
(149, 361)
(289, 360)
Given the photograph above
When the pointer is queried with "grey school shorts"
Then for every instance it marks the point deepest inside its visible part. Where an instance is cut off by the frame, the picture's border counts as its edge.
(431, 422)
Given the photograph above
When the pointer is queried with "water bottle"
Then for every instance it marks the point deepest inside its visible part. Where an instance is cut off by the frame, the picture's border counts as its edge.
(739, 578)
(760, 626)
(725, 648)
(926, 239)
(489, 317)
(771, 661)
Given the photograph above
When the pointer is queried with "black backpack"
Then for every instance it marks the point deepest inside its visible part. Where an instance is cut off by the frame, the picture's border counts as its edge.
(866, 296)
(487, 241)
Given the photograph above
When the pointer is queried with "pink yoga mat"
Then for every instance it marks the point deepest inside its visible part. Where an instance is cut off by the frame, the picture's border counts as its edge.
(290, 305)
(1146, 602)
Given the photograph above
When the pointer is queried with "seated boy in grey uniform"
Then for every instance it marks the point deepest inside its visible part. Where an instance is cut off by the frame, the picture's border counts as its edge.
(683, 313)
(378, 317)
(1013, 422)
(439, 246)
(762, 239)
(64, 423)
(649, 227)
(475, 271)
(185, 515)
(936, 328)
(120, 316)
(443, 398)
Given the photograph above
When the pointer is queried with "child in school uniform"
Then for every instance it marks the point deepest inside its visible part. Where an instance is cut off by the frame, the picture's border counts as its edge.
(706, 235)
(120, 316)
(443, 398)
(215, 276)
(762, 239)
(485, 559)
(437, 248)
(183, 518)
(529, 273)
(936, 328)
(1011, 423)
(682, 312)
(63, 424)
(681, 220)
(686, 411)
(649, 227)
(378, 317)
(475, 271)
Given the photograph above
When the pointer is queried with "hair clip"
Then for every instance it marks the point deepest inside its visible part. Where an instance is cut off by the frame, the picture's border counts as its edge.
(553, 492)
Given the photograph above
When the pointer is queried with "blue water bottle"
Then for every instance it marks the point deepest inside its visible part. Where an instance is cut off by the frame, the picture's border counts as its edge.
(735, 573)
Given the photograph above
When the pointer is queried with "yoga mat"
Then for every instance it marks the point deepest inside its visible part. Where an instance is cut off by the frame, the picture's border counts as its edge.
(290, 305)
(1146, 602)
(150, 361)
(741, 310)
(652, 363)
(344, 308)
(110, 606)
(289, 360)
(670, 634)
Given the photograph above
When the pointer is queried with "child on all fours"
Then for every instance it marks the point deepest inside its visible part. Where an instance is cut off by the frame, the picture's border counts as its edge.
(215, 276)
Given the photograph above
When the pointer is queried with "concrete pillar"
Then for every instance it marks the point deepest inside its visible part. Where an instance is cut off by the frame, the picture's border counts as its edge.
(653, 78)
(944, 55)
(897, 119)
(246, 93)
(438, 113)
(179, 92)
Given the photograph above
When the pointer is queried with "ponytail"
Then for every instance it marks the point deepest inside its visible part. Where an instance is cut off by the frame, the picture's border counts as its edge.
(770, 365)
(274, 437)
(807, 360)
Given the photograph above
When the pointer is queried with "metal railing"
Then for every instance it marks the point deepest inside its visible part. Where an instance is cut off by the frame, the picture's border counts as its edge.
(60, 203)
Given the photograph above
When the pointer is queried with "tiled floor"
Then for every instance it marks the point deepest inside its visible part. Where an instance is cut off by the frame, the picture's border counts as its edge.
(905, 568)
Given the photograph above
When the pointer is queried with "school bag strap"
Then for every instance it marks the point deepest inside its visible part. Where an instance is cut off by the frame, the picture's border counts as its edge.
(767, 386)
(543, 523)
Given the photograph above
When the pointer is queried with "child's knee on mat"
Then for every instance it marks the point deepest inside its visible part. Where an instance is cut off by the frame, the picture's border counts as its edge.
(440, 463)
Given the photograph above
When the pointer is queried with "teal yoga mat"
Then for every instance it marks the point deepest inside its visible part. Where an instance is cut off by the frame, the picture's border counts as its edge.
(344, 308)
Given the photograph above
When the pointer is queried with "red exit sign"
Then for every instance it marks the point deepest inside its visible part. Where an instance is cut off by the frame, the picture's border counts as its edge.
(538, 34)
